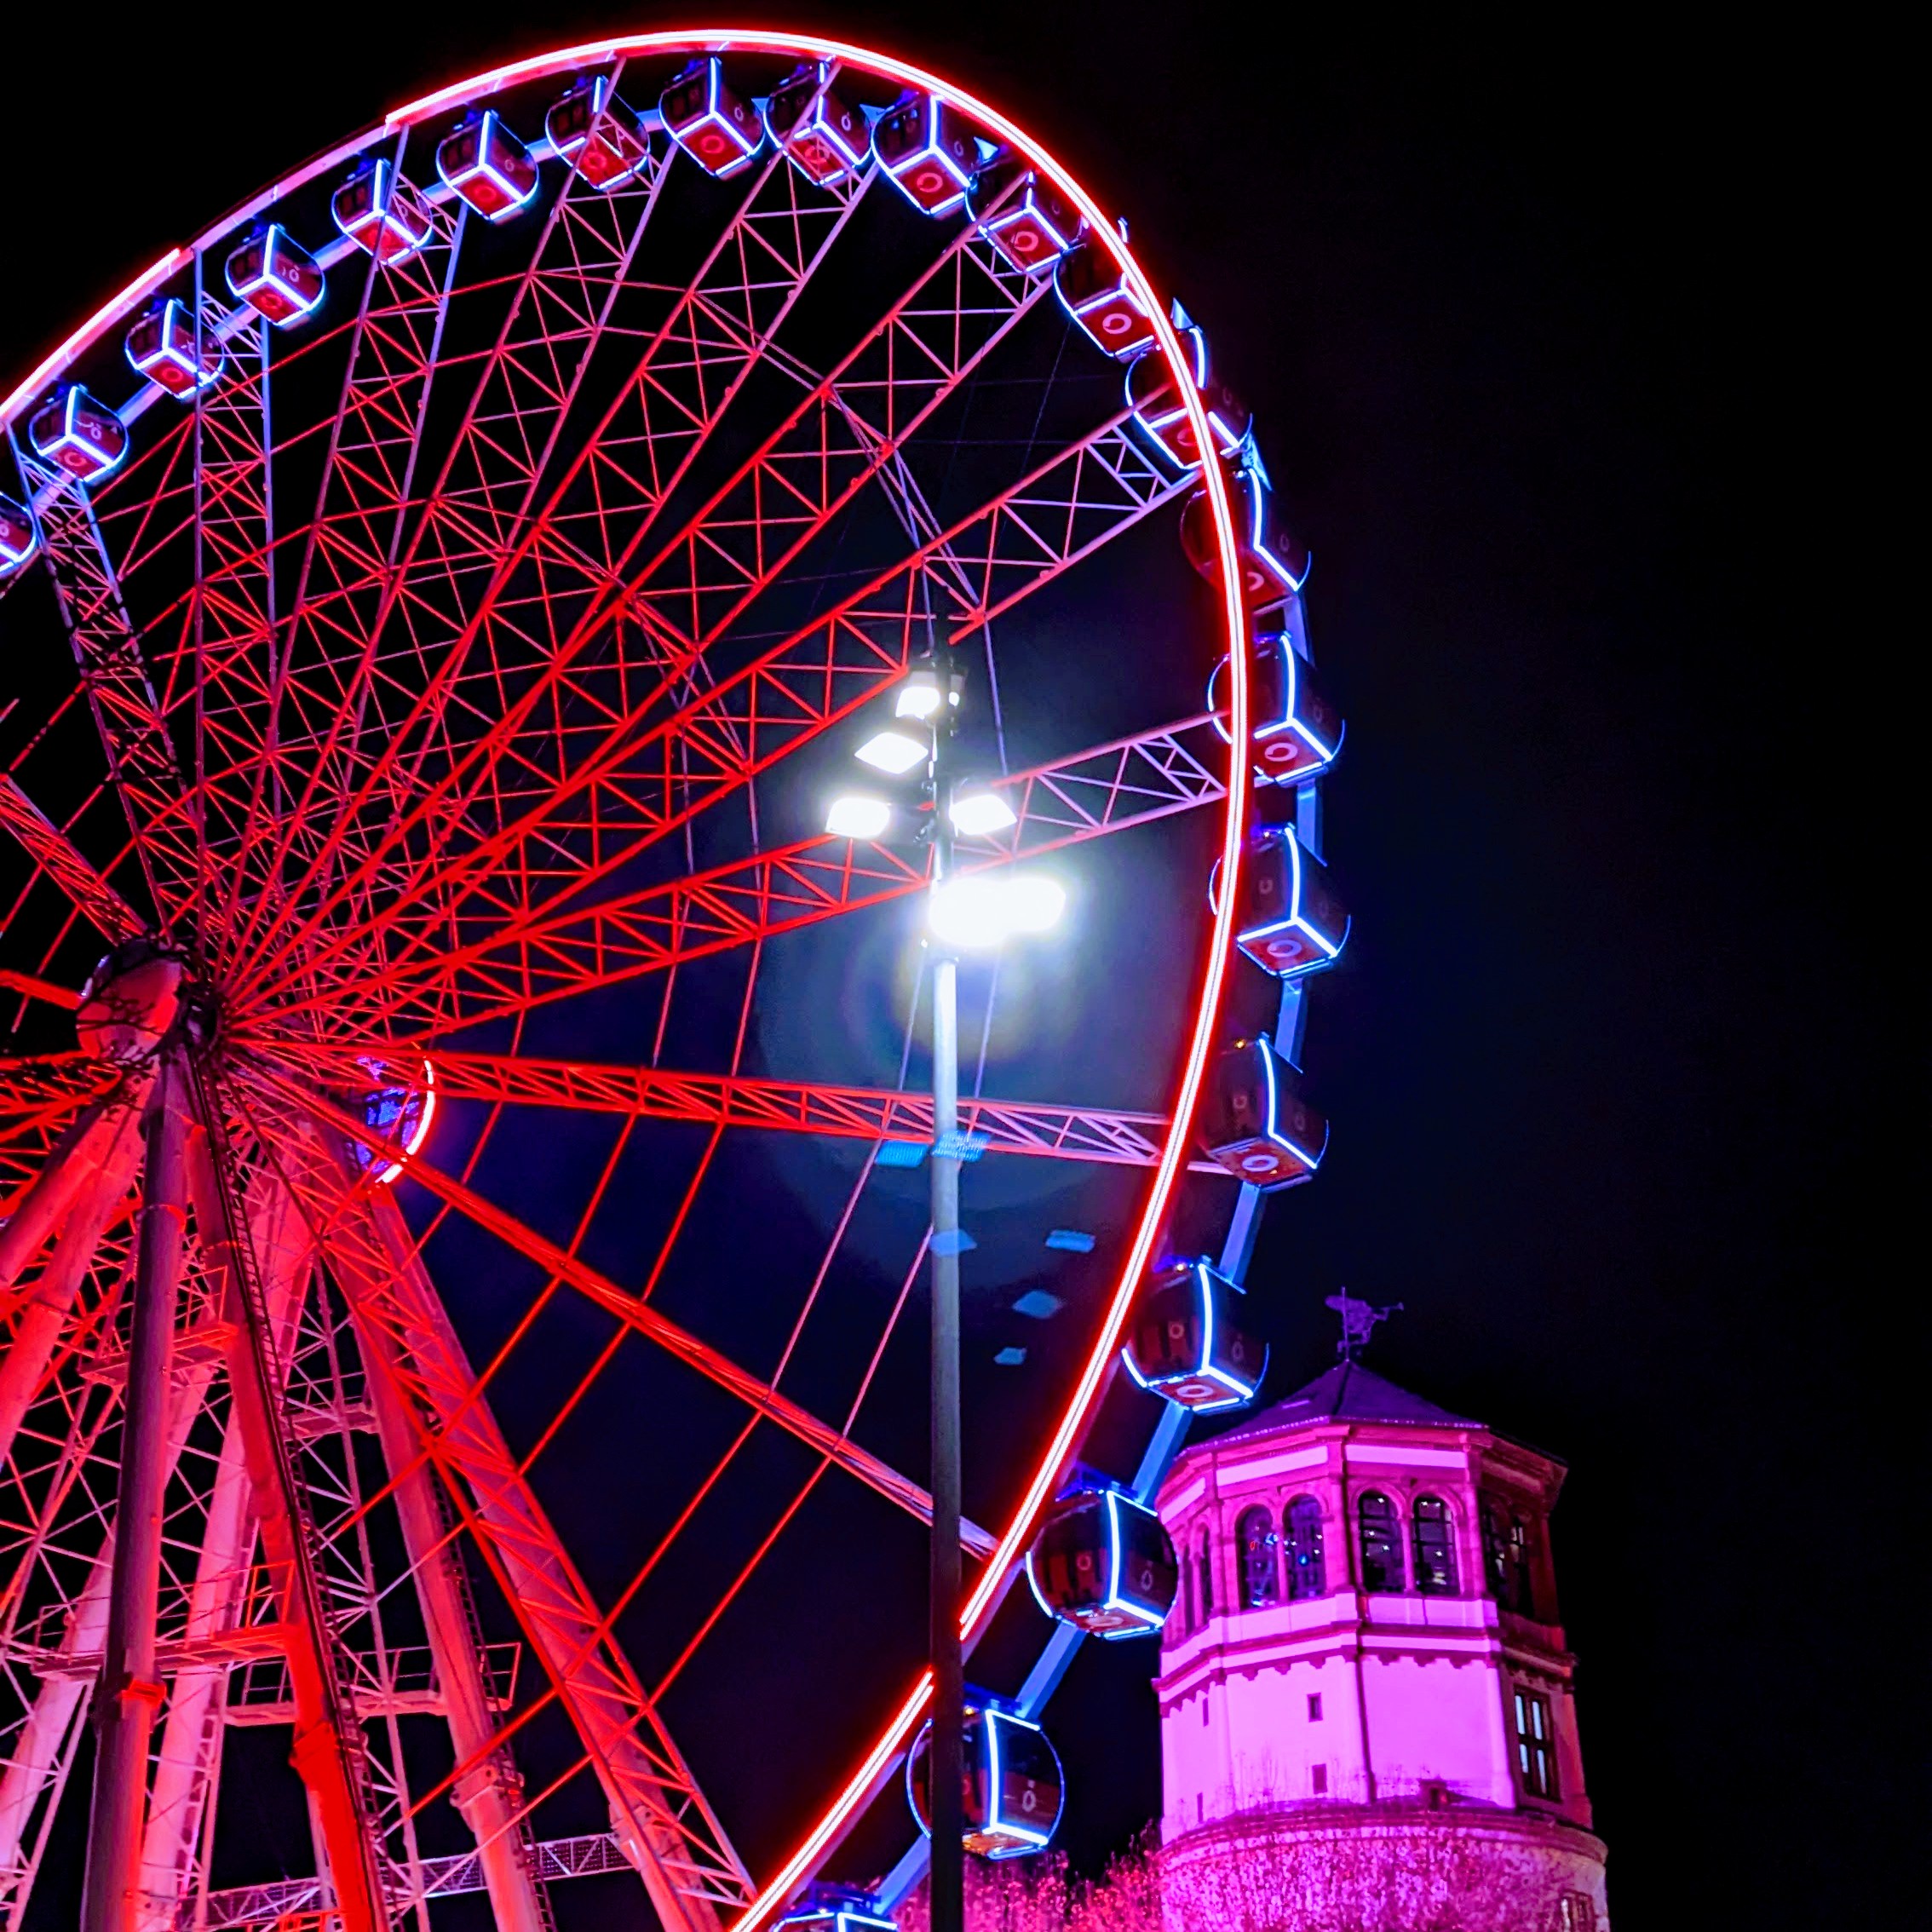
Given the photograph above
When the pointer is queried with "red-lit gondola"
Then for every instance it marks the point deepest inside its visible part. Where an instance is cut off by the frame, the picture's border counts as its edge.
(164, 346)
(276, 276)
(710, 120)
(77, 435)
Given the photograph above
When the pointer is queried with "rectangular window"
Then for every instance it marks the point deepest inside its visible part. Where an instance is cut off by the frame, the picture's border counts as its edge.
(1314, 1707)
(1536, 1745)
(1200, 1807)
(1575, 1912)
(1318, 1780)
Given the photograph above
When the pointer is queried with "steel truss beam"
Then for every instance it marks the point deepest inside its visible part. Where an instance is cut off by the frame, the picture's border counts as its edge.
(507, 961)
(1109, 1136)
(629, 1308)
(62, 862)
(107, 651)
(645, 779)
(660, 1815)
(565, 555)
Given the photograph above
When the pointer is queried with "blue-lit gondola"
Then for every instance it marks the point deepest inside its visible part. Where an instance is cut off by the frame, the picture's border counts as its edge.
(601, 136)
(164, 346)
(821, 134)
(487, 166)
(1273, 566)
(1296, 732)
(1254, 1123)
(77, 435)
(710, 120)
(276, 276)
(380, 211)
(1104, 1564)
(1184, 1342)
(1094, 291)
(1160, 411)
(1024, 217)
(926, 147)
(824, 1907)
(17, 539)
(1013, 1787)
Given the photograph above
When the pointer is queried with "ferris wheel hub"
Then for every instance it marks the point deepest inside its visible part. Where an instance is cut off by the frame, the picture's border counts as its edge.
(131, 1002)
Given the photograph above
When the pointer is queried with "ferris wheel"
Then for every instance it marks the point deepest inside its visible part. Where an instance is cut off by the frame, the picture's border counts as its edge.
(458, 1143)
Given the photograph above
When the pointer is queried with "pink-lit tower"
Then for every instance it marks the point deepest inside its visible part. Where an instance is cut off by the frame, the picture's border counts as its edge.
(1365, 1697)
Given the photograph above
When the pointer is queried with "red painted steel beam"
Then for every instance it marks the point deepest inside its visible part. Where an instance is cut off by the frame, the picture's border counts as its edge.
(645, 779)
(519, 958)
(1110, 1136)
(634, 1314)
(61, 861)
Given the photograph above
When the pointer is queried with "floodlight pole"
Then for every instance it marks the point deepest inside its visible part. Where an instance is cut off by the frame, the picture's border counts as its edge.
(945, 1764)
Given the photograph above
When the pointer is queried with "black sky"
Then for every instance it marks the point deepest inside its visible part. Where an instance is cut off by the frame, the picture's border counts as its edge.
(1523, 319)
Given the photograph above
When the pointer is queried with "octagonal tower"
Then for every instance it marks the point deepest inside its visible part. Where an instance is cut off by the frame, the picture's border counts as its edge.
(1366, 1706)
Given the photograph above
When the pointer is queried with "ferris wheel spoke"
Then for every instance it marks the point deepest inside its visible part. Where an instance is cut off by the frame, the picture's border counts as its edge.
(685, 375)
(668, 1831)
(108, 654)
(644, 779)
(520, 958)
(850, 427)
(1109, 1136)
(645, 1320)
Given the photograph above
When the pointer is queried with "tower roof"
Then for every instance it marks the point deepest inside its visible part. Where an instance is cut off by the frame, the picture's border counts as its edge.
(1348, 1393)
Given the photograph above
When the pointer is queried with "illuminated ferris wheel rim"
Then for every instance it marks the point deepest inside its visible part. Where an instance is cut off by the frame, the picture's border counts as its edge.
(1071, 1425)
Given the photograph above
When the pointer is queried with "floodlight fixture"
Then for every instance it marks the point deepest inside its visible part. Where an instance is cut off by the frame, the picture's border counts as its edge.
(980, 814)
(893, 752)
(855, 816)
(977, 911)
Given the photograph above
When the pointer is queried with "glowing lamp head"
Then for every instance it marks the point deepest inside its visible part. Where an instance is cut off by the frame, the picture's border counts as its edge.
(977, 912)
(892, 752)
(856, 816)
(979, 815)
(919, 696)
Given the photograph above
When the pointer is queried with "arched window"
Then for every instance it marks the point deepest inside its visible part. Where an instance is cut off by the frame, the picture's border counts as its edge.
(1203, 1573)
(1261, 1568)
(1307, 1576)
(1506, 1556)
(1434, 1530)
(1382, 1544)
(1187, 1624)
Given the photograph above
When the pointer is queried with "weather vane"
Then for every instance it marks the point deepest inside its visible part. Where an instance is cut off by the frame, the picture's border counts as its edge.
(1357, 1322)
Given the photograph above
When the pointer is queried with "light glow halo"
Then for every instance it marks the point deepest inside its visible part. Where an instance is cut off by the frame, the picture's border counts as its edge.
(875, 1765)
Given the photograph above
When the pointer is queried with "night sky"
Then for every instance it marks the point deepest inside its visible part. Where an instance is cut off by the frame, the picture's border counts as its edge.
(1518, 323)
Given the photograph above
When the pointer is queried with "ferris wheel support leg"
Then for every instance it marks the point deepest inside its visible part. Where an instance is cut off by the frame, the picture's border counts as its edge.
(324, 1741)
(83, 1150)
(47, 1305)
(128, 1692)
(488, 1796)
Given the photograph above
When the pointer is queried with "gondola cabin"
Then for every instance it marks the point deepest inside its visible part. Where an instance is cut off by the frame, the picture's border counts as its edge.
(837, 1908)
(77, 435)
(17, 537)
(1093, 288)
(1103, 1564)
(1273, 566)
(819, 132)
(1290, 921)
(604, 139)
(381, 212)
(397, 1112)
(929, 150)
(1184, 1342)
(1161, 415)
(714, 124)
(162, 345)
(1295, 733)
(1024, 217)
(277, 277)
(1253, 1123)
(485, 166)
(1012, 1788)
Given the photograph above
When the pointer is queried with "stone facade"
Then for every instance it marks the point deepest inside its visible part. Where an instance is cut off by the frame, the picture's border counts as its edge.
(1365, 1679)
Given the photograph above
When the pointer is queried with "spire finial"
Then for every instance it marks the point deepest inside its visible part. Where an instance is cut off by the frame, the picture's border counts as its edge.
(1357, 1322)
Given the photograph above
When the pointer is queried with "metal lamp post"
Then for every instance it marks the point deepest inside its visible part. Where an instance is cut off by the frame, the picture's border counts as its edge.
(996, 910)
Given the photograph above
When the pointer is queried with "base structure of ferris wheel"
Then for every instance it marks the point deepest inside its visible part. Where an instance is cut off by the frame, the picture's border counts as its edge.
(486, 541)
